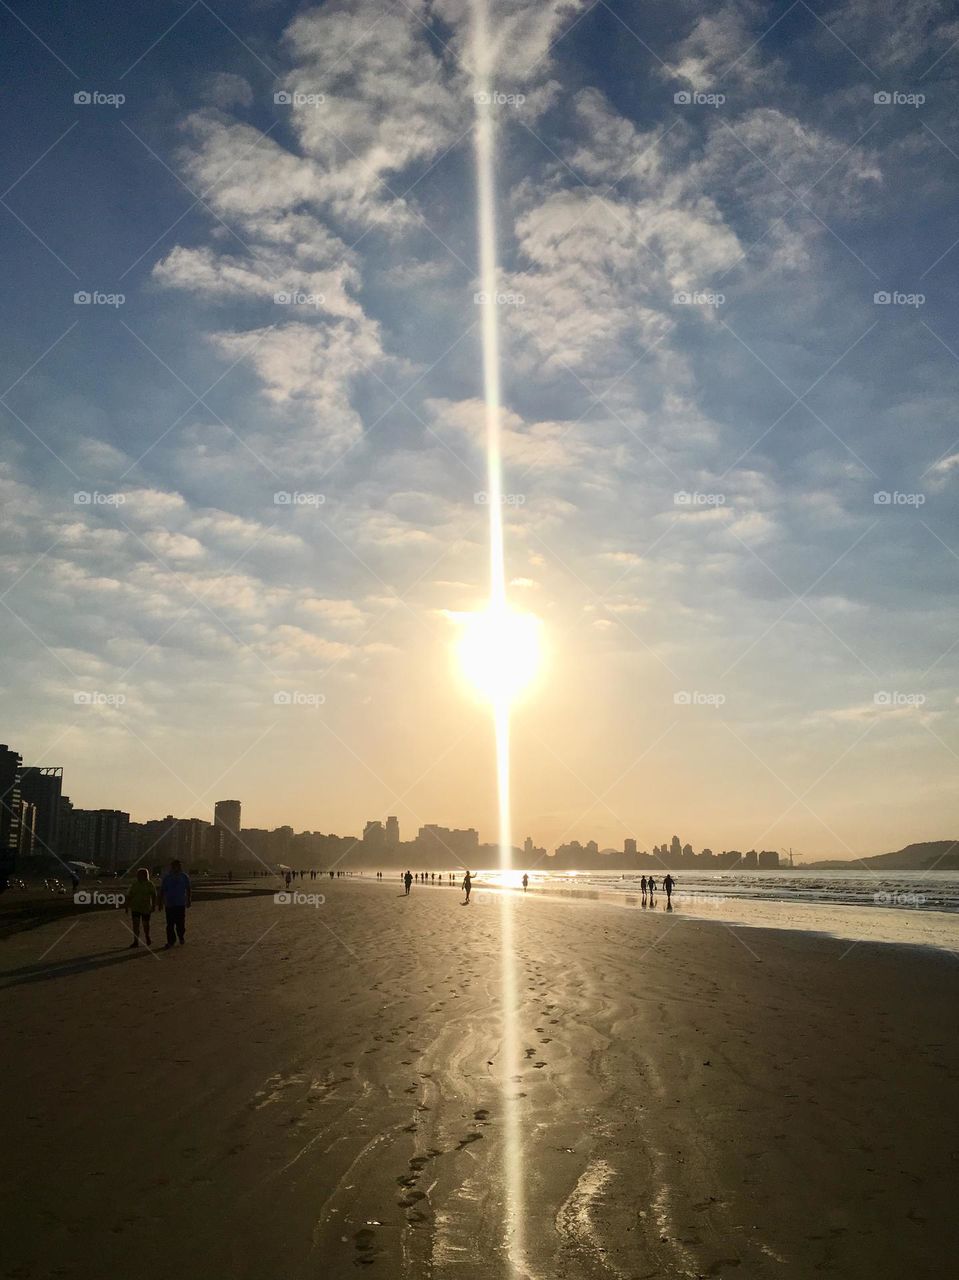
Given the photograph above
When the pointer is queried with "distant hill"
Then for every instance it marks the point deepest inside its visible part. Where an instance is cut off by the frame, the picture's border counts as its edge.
(938, 855)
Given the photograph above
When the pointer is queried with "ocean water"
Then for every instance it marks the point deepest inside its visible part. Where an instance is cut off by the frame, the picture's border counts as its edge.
(910, 908)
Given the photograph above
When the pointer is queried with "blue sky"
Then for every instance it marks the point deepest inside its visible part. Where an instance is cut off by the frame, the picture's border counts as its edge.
(703, 400)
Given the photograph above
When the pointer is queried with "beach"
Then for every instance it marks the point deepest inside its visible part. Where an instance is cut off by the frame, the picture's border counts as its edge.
(308, 1089)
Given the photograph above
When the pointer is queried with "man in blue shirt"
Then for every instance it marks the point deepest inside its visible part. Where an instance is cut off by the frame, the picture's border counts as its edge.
(175, 896)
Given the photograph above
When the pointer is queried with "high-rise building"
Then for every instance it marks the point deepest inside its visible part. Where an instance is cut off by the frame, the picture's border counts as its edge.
(10, 763)
(392, 832)
(101, 836)
(226, 828)
(41, 785)
(374, 837)
(629, 847)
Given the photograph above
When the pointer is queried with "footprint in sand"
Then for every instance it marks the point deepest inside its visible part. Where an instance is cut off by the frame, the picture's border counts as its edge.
(530, 1052)
(407, 1201)
(365, 1240)
(537, 1065)
(482, 1114)
(470, 1138)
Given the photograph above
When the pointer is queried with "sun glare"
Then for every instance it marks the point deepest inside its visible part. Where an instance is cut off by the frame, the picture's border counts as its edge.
(499, 651)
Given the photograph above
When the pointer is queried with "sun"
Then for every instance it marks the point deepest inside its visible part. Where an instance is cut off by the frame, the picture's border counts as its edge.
(499, 651)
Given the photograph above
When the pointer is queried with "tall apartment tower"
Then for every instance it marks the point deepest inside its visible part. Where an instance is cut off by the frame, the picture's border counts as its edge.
(10, 763)
(226, 826)
(392, 839)
(41, 785)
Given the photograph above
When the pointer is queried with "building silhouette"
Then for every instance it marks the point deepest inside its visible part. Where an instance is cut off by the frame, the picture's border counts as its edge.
(41, 786)
(10, 765)
(101, 836)
(392, 832)
(226, 829)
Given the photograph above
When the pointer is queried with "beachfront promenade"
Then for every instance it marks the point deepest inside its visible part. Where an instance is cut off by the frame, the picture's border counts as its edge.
(301, 1089)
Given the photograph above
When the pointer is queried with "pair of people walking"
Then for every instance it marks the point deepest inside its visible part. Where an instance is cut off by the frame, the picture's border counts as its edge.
(175, 897)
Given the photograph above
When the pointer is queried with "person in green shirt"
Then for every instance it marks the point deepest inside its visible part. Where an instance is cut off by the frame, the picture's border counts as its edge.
(141, 903)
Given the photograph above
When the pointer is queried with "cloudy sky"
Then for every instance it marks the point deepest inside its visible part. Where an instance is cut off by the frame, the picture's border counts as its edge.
(729, 241)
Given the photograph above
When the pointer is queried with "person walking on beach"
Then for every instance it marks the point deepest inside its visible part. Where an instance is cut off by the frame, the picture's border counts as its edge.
(642, 884)
(668, 886)
(176, 895)
(652, 887)
(467, 886)
(408, 880)
(525, 881)
(141, 903)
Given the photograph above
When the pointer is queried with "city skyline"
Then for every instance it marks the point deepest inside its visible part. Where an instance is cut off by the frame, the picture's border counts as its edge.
(243, 481)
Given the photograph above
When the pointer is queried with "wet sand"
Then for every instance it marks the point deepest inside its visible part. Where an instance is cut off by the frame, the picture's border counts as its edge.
(305, 1092)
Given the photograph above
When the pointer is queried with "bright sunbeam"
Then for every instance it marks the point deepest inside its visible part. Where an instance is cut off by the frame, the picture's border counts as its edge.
(499, 651)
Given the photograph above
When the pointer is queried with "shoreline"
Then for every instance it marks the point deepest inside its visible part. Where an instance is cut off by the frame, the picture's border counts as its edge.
(305, 1090)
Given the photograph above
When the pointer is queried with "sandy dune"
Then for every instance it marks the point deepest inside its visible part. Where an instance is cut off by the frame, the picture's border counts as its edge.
(300, 1092)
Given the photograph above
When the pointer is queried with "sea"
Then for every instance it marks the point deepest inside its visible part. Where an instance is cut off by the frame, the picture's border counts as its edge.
(909, 908)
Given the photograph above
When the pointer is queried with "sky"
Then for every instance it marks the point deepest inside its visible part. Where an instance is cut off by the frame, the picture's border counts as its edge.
(241, 431)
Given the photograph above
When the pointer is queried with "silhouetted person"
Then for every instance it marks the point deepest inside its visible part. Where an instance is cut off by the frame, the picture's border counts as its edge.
(141, 903)
(176, 895)
(642, 885)
(525, 881)
(288, 878)
(652, 886)
(668, 886)
(467, 885)
(408, 880)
